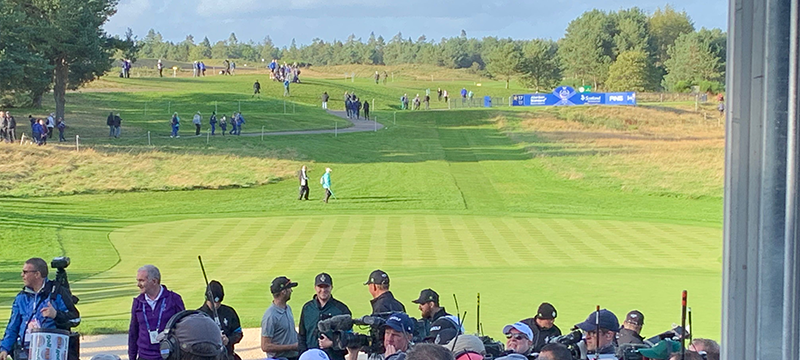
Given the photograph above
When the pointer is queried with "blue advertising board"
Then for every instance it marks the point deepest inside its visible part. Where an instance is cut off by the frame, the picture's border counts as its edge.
(567, 96)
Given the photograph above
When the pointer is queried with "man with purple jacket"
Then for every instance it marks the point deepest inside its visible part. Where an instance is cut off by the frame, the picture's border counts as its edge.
(150, 312)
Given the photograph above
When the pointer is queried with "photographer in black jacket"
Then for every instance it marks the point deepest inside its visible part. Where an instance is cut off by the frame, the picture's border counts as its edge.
(543, 326)
(442, 326)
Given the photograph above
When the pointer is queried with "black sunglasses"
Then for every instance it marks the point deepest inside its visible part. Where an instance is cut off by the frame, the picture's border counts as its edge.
(517, 336)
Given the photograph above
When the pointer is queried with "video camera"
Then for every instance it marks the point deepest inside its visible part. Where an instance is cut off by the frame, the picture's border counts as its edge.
(570, 340)
(340, 330)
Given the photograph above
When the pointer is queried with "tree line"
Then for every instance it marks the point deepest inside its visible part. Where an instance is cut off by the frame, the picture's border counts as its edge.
(60, 45)
(620, 50)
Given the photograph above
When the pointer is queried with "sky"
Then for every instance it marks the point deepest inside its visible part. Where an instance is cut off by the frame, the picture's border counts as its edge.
(305, 20)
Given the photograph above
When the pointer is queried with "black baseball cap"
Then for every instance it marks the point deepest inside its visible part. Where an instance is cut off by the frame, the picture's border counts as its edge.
(323, 279)
(426, 296)
(605, 319)
(281, 283)
(215, 293)
(378, 277)
(546, 311)
(635, 317)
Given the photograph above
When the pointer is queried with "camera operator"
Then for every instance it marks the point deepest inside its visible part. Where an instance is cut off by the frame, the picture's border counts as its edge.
(150, 312)
(600, 332)
(631, 327)
(228, 318)
(554, 352)
(321, 306)
(398, 331)
(36, 306)
(543, 326)
(194, 337)
(443, 326)
(383, 300)
(278, 335)
(519, 343)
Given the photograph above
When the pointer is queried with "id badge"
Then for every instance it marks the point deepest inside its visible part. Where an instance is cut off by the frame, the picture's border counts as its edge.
(153, 337)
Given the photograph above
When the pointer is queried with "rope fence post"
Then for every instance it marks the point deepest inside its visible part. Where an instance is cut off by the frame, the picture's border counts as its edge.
(77, 143)
(148, 139)
(375, 122)
(335, 129)
(262, 132)
(22, 139)
(169, 107)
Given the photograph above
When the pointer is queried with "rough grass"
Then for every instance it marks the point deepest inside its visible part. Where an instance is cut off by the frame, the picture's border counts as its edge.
(46, 171)
(667, 151)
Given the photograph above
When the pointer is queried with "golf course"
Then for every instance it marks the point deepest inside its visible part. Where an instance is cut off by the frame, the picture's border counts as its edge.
(578, 206)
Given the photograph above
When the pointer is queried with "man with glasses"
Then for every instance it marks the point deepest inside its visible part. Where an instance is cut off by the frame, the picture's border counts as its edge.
(600, 332)
(34, 307)
(519, 343)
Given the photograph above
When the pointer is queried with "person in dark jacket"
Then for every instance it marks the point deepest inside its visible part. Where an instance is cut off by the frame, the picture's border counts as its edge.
(36, 307)
(631, 329)
(322, 306)
(325, 98)
(543, 326)
(40, 132)
(442, 327)
(257, 88)
(61, 126)
(213, 122)
(600, 332)
(366, 110)
(117, 125)
(110, 123)
(227, 318)
(383, 300)
(150, 312)
(223, 124)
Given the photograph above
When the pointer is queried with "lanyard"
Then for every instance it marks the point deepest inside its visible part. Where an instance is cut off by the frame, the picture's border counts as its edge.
(161, 312)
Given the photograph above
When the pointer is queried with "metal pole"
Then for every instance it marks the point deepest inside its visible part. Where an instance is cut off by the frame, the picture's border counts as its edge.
(77, 143)
(262, 132)
(376, 124)
(148, 139)
(791, 290)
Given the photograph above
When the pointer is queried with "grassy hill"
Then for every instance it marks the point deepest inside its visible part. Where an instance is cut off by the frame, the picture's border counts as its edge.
(619, 207)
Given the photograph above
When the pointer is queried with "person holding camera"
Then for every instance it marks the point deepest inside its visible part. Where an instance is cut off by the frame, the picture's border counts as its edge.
(228, 319)
(519, 343)
(321, 306)
(150, 313)
(398, 332)
(193, 336)
(278, 335)
(41, 304)
(600, 332)
(383, 300)
(543, 326)
(443, 326)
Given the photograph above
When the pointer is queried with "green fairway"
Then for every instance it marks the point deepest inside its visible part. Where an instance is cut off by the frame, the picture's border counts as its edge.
(513, 261)
(452, 200)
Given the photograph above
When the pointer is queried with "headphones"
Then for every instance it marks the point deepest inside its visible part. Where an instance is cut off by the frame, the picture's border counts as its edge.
(170, 346)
